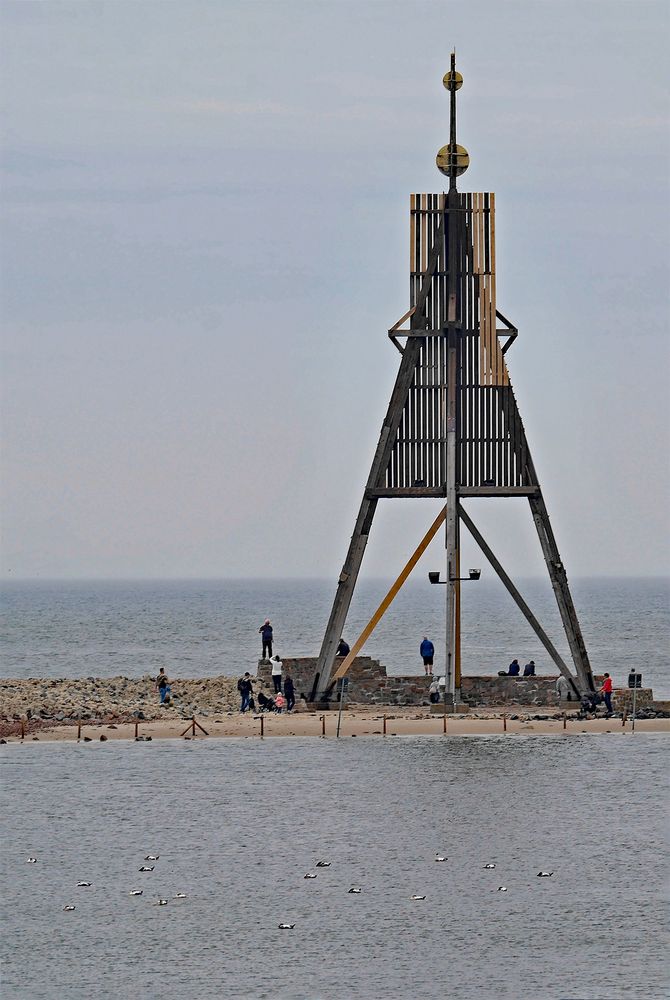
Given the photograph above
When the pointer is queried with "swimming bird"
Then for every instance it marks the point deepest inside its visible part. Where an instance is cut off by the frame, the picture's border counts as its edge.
(161, 902)
(146, 868)
(285, 927)
(439, 857)
(31, 861)
(544, 874)
(489, 866)
(180, 895)
(152, 857)
(355, 888)
(310, 875)
(417, 897)
(136, 892)
(323, 864)
(502, 888)
(68, 909)
(84, 885)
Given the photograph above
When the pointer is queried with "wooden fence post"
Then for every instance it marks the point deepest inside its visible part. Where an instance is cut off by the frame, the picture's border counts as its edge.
(504, 723)
(384, 726)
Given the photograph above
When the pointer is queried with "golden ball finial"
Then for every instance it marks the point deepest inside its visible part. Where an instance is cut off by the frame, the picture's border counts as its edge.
(455, 157)
(452, 81)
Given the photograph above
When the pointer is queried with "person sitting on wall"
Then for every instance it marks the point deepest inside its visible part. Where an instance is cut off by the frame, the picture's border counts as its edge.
(512, 671)
(529, 669)
(343, 648)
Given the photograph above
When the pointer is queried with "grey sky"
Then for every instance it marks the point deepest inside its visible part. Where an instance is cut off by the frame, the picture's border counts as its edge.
(205, 239)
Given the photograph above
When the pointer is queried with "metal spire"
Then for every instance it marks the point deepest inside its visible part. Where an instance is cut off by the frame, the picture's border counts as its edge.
(452, 160)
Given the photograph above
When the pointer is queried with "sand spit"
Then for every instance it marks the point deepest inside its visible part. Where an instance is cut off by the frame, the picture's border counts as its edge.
(112, 708)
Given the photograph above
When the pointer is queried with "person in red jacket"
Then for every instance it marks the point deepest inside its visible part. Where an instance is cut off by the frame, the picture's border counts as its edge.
(606, 692)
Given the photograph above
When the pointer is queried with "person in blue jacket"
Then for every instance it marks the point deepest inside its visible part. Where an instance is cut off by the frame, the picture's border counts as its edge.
(427, 651)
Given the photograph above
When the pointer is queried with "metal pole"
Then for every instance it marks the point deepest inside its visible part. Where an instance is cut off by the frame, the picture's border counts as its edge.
(343, 681)
(634, 703)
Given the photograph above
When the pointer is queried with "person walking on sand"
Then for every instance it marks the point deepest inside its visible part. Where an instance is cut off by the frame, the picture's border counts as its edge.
(245, 687)
(289, 692)
(265, 632)
(162, 684)
(276, 673)
(427, 652)
(606, 692)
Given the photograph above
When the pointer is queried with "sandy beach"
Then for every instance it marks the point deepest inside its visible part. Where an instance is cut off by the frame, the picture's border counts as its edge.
(354, 723)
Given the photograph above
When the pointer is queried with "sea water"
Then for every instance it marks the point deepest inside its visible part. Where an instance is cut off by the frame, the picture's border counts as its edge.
(202, 628)
(238, 823)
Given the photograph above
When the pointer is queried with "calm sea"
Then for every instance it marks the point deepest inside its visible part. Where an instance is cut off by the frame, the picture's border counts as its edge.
(237, 824)
(200, 628)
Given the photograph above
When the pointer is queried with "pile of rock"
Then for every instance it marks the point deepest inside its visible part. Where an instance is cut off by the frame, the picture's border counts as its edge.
(113, 698)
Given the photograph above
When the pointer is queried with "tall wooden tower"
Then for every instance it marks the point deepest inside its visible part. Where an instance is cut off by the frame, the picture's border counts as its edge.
(453, 429)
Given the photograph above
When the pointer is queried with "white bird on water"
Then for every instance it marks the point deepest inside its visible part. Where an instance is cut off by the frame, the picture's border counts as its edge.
(544, 874)
(323, 864)
(161, 902)
(285, 927)
(68, 909)
(83, 885)
(489, 866)
(146, 868)
(31, 861)
(417, 897)
(355, 889)
(440, 857)
(180, 895)
(136, 892)
(310, 875)
(502, 888)
(152, 857)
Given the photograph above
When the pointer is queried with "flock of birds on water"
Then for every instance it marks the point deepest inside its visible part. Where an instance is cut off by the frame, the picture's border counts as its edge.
(354, 890)
(82, 884)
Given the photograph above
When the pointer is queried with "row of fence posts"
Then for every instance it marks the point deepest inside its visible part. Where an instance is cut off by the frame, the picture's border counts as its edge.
(193, 724)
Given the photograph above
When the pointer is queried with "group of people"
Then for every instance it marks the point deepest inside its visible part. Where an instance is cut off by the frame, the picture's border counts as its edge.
(514, 670)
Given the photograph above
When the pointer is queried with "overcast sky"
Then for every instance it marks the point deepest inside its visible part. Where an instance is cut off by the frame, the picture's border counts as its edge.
(205, 240)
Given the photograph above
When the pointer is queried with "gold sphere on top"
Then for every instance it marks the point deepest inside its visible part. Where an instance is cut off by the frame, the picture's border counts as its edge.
(455, 157)
(452, 81)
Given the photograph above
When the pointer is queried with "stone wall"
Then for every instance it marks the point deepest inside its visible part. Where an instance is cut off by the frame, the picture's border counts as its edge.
(369, 684)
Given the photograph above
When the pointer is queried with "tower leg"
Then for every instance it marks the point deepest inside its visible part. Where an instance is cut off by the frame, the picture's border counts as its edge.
(559, 582)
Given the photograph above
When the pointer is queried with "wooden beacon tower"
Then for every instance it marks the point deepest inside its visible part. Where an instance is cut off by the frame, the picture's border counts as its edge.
(452, 429)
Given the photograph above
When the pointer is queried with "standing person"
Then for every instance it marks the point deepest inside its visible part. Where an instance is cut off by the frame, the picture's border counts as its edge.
(563, 689)
(162, 684)
(280, 702)
(434, 692)
(276, 673)
(245, 687)
(265, 632)
(606, 692)
(289, 691)
(427, 652)
(343, 648)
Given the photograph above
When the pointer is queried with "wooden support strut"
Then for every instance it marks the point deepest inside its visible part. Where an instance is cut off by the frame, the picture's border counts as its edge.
(383, 607)
(559, 582)
(518, 599)
(359, 539)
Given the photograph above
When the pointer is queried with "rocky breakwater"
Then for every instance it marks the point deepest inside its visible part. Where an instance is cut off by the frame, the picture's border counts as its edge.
(45, 702)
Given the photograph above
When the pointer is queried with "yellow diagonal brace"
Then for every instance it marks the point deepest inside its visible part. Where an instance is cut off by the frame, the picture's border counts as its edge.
(381, 610)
